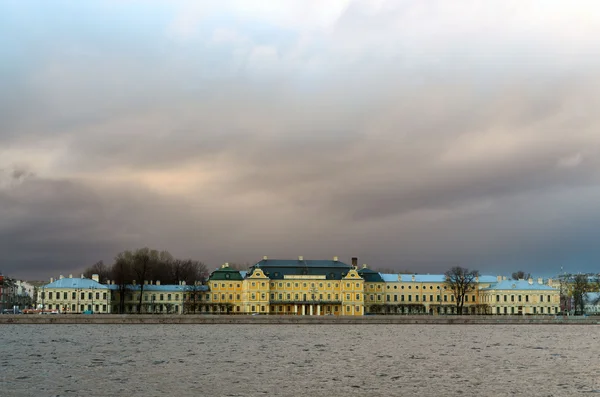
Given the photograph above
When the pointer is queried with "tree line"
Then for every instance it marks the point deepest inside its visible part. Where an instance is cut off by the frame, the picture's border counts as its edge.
(144, 264)
(575, 288)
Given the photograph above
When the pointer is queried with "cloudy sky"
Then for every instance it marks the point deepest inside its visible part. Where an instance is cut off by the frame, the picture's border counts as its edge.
(412, 134)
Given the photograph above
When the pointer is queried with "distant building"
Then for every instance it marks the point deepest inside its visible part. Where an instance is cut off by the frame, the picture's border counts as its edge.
(521, 297)
(302, 287)
(592, 303)
(15, 294)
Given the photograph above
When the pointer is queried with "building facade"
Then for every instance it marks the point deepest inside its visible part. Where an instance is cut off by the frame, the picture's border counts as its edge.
(74, 295)
(303, 287)
(15, 294)
(521, 297)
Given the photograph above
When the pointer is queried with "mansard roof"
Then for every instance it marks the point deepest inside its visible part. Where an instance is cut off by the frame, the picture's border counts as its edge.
(278, 268)
(518, 285)
(76, 283)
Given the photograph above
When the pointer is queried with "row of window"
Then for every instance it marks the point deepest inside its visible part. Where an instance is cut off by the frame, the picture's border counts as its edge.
(409, 287)
(432, 298)
(519, 298)
(65, 295)
(73, 308)
(149, 309)
(535, 310)
(155, 297)
(304, 285)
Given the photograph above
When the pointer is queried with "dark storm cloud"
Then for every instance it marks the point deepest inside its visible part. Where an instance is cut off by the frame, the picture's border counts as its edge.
(412, 135)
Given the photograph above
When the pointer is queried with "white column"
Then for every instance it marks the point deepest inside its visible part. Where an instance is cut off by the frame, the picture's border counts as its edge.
(318, 310)
(296, 309)
(311, 310)
(304, 310)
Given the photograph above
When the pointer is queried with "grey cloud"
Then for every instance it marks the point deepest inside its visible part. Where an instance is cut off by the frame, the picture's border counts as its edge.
(379, 151)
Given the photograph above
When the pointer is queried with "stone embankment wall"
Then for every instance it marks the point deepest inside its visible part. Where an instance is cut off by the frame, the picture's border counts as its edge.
(273, 319)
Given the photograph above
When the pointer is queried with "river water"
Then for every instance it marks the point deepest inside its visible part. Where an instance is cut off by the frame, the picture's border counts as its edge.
(299, 360)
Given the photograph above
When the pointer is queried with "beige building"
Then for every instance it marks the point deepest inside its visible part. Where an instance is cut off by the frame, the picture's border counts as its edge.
(520, 297)
(75, 295)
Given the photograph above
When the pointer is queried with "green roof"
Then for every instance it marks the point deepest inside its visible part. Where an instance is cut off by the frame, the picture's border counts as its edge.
(370, 275)
(225, 273)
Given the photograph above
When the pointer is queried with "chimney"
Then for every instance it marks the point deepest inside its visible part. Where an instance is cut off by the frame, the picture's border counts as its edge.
(265, 258)
(355, 262)
(335, 259)
(82, 276)
(157, 282)
(145, 282)
(550, 282)
(61, 277)
(413, 277)
(540, 281)
(503, 278)
(51, 280)
(70, 276)
(399, 277)
(498, 278)
(364, 265)
(96, 278)
(183, 282)
(300, 258)
(225, 265)
(530, 281)
(133, 282)
(477, 279)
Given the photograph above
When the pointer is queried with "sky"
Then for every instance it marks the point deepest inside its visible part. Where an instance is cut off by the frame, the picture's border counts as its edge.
(414, 135)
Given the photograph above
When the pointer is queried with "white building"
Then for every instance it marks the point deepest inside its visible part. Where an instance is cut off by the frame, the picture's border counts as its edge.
(592, 303)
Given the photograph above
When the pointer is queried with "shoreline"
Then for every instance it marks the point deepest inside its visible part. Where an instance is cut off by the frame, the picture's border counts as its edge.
(133, 319)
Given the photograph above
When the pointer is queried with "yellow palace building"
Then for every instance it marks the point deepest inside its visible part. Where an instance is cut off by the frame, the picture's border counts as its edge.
(303, 287)
(331, 287)
(276, 286)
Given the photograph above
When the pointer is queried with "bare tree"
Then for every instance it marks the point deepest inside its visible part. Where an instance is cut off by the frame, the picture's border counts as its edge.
(121, 274)
(103, 271)
(520, 275)
(580, 287)
(146, 262)
(460, 281)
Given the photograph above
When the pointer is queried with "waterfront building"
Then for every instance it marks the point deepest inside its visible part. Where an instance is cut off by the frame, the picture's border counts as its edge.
(155, 298)
(520, 297)
(303, 287)
(424, 294)
(75, 295)
(283, 286)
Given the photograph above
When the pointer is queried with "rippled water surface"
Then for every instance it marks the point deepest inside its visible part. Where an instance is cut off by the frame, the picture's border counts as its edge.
(299, 360)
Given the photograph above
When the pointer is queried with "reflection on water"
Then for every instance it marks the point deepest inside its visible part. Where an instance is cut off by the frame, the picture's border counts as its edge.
(299, 360)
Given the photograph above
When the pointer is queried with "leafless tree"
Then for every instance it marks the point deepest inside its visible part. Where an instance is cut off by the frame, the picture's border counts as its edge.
(580, 287)
(144, 260)
(121, 274)
(99, 268)
(520, 275)
(460, 281)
